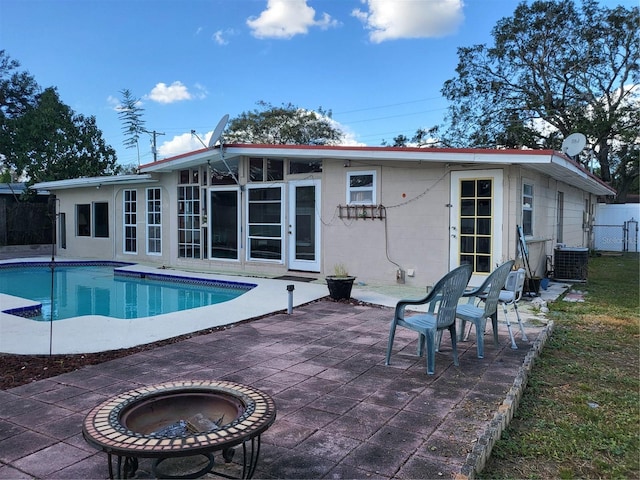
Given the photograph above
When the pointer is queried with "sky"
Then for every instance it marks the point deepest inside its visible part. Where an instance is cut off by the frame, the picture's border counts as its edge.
(377, 65)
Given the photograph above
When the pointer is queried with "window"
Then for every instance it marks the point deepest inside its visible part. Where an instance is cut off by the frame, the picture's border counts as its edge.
(130, 221)
(265, 223)
(560, 218)
(83, 220)
(101, 220)
(224, 173)
(361, 188)
(62, 227)
(305, 166)
(265, 169)
(154, 221)
(527, 209)
(99, 212)
(189, 221)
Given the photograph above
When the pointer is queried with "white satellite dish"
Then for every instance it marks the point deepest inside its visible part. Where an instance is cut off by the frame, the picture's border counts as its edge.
(573, 144)
(217, 132)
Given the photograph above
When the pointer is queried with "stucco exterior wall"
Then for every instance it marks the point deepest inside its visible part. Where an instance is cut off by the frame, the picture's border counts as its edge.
(414, 235)
(81, 246)
(576, 209)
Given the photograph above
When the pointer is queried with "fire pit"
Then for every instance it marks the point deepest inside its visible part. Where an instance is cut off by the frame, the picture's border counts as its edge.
(181, 419)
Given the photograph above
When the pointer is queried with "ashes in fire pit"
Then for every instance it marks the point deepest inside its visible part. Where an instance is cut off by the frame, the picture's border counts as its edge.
(180, 419)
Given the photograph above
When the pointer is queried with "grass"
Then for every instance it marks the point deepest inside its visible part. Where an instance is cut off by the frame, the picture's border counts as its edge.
(580, 413)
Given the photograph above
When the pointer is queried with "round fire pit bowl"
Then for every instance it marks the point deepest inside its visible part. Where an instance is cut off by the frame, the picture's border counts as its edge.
(181, 419)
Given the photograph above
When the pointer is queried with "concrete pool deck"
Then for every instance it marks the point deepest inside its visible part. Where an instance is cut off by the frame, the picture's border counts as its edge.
(96, 333)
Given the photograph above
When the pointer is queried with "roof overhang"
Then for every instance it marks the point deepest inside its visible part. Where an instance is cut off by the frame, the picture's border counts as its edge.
(548, 162)
(93, 182)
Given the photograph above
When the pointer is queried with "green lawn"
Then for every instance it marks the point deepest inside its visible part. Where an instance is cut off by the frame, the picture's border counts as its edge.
(580, 413)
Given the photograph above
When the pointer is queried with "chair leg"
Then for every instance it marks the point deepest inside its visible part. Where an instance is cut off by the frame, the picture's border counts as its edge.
(506, 317)
(494, 326)
(420, 344)
(392, 334)
(438, 340)
(454, 344)
(463, 324)
(480, 328)
(466, 335)
(524, 335)
(431, 351)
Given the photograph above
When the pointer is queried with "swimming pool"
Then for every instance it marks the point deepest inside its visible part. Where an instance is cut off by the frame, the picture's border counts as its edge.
(98, 333)
(102, 289)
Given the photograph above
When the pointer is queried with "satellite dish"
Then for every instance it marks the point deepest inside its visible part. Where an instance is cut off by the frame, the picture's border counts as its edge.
(215, 136)
(573, 144)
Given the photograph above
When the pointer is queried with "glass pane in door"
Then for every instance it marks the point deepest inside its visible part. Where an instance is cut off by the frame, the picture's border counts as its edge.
(476, 215)
(305, 247)
(224, 224)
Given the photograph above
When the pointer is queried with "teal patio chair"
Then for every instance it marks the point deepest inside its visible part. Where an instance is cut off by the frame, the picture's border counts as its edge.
(482, 303)
(441, 314)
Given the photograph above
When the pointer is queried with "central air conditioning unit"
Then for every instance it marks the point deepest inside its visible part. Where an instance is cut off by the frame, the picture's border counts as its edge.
(570, 264)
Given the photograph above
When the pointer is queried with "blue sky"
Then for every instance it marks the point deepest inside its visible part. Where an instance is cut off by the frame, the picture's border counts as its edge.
(378, 65)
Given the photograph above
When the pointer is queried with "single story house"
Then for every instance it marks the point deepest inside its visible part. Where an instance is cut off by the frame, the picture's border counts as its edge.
(390, 215)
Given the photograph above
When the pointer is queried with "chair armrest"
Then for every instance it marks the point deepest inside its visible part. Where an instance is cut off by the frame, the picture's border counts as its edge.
(431, 299)
(474, 293)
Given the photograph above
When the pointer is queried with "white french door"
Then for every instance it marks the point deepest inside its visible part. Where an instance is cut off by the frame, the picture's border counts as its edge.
(304, 225)
(476, 221)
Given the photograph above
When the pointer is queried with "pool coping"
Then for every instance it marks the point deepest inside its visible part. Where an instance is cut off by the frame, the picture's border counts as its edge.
(97, 333)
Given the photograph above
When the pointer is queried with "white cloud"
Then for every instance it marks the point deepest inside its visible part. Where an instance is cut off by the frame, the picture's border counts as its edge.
(391, 19)
(183, 144)
(163, 93)
(287, 18)
(219, 38)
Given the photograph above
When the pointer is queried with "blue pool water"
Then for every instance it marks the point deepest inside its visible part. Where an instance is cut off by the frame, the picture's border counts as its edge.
(97, 290)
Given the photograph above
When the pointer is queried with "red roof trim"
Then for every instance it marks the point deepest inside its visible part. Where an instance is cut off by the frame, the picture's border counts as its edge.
(352, 148)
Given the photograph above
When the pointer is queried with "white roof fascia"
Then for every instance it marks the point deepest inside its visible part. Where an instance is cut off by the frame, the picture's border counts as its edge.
(92, 182)
(555, 164)
(177, 163)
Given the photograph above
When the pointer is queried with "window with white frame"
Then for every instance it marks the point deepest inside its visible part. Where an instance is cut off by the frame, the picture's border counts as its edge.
(130, 221)
(361, 188)
(154, 221)
(189, 222)
(265, 223)
(527, 209)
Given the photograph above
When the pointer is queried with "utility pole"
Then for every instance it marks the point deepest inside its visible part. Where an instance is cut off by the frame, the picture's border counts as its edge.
(154, 150)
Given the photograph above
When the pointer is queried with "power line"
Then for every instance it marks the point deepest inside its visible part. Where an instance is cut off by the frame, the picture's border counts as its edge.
(389, 105)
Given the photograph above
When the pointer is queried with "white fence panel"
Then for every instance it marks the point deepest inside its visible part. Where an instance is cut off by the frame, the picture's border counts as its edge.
(616, 227)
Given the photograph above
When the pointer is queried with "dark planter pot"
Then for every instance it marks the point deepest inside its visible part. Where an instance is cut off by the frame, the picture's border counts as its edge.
(532, 286)
(340, 287)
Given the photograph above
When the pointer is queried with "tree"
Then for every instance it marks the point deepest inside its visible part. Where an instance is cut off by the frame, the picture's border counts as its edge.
(553, 70)
(285, 125)
(130, 114)
(43, 139)
(18, 92)
(51, 142)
